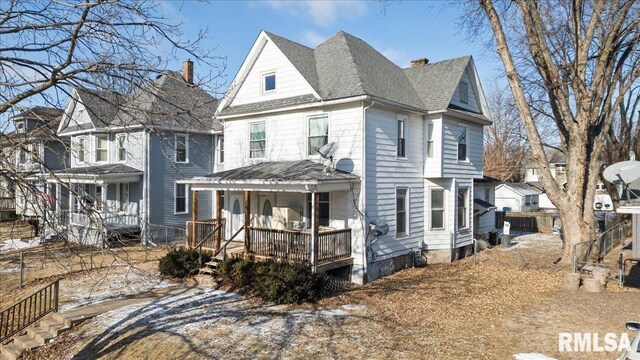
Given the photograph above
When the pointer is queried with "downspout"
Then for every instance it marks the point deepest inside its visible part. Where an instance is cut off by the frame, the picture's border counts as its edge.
(365, 226)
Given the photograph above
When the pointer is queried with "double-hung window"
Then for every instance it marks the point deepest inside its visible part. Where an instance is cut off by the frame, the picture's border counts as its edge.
(122, 147)
(437, 209)
(401, 151)
(181, 199)
(318, 133)
(430, 148)
(220, 149)
(463, 212)
(462, 144)
(257, 140)
(98, 197)
(124, 196)
(80, 150)
(182, 146)
(464, 92)
(401, 211)
(102, 148)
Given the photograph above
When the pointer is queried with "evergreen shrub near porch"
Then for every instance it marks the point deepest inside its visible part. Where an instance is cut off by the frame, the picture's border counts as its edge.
(181, 263)
(277, 282)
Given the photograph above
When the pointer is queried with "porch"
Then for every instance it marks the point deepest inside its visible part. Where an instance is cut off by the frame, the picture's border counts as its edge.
(288, 219)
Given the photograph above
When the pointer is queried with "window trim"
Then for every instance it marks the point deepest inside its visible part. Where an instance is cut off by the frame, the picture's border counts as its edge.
(175, 148)
(308, 129)
(466, 206)
(175, 198)
(263, 77)
(407, 212)
(401, 119)
(249, 139)
(466, 147)
(430, 140)
(463, 99)
(444, 208)
(95, 145)
(124, 147)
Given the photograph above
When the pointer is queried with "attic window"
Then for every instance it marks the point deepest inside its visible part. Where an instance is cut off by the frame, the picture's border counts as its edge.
(269, 82)
(20, 126)
(464, 92)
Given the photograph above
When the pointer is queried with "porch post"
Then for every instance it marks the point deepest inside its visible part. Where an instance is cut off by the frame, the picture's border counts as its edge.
(315, 210)
(247, 222)
(219, 217)
(194, 214)
(103, 199)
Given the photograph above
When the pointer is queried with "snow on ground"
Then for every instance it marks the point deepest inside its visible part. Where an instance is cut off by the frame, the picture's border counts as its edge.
(13, 244)
(532, 356)
(118, 282)
(225, 318)
(527, 240)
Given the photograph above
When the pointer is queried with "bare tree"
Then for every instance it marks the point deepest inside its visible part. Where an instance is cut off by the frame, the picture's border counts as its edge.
(582, 58)
(505, 147)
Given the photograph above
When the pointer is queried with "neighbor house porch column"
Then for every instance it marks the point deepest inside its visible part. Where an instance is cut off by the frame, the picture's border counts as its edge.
(219, 205)
(194, 217)
(247, 222)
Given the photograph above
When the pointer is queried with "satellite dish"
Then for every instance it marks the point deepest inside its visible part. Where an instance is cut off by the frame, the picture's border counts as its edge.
(327, 152)
(624, 172)
(379, 229)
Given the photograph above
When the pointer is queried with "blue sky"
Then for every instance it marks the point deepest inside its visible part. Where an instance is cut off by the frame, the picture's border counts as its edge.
(402, 31)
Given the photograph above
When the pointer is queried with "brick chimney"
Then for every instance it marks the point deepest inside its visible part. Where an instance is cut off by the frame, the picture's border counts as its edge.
(187, 71)
(419, 62)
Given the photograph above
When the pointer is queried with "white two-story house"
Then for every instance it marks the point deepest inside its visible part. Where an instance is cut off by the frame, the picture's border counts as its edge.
(127, 153)
(408, 147)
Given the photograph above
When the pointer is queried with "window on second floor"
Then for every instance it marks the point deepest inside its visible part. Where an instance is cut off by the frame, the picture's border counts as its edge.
(181, 146)
(80, 150)
(462, 144)
(257, 140)
(318, 133)
(401, 150)
(464, 92)
(22, 156)
(122, 147)
(102, 148)
(220, 149)
(430, 145)
(268, 82)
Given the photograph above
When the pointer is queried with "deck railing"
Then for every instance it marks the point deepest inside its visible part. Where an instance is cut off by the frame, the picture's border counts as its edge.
(282, 244)
(296, 245)
(7, 203)
(31, 309)
(334, 245)
(98, 219)
(204, 231)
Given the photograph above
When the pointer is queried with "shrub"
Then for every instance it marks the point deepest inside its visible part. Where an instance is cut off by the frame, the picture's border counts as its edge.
(278, 282)
(181, 263)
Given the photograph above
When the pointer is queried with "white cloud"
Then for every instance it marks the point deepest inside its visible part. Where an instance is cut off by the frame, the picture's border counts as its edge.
(323, 13)
(312, 38)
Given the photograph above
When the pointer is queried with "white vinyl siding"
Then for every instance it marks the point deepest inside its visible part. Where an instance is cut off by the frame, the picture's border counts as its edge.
(289, 82)
(451, 166)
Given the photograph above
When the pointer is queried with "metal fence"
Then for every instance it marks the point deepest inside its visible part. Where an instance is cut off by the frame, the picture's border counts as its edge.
(161, 235)
(606, 241)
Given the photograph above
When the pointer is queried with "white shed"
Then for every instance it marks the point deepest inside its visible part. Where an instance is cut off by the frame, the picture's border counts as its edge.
(517, 197)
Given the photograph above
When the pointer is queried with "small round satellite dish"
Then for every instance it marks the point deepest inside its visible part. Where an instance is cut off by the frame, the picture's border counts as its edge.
(328, 150)
(379, 229)
(624, 172)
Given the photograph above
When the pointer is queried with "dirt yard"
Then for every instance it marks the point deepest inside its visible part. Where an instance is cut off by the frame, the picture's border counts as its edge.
(509, 303)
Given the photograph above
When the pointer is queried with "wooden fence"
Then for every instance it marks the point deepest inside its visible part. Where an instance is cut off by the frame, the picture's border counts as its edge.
(33, 308)
(528, 221)
(203, 231)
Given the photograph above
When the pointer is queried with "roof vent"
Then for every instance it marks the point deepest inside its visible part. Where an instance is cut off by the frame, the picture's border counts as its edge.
(419, 62)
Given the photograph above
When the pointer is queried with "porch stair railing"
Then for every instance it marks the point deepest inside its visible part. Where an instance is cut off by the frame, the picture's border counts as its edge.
(29, 310)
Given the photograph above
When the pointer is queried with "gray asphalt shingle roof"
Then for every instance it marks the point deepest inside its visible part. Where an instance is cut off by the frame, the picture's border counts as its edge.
(301, 170)
(346, 66)
(166, 102)
(100, 170)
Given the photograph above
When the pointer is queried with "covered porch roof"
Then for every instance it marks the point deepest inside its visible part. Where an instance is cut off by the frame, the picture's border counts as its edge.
(100, 174)
(291, 176)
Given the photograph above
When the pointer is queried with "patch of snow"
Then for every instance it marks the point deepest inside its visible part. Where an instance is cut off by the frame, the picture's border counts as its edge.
(123, 282)
(354, 307)
(14, 244)
(532, 356)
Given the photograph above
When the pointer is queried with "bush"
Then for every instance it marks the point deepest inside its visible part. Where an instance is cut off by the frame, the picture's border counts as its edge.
(278, 282)
(181, 263)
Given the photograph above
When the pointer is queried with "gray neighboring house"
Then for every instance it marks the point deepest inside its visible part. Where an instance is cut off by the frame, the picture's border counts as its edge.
(31, 151)
(127, 152)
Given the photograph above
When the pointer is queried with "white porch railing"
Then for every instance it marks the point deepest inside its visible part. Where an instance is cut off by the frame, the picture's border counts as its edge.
(98, 220)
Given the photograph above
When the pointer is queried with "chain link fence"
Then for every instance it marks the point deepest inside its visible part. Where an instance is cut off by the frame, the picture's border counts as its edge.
(606, 241)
